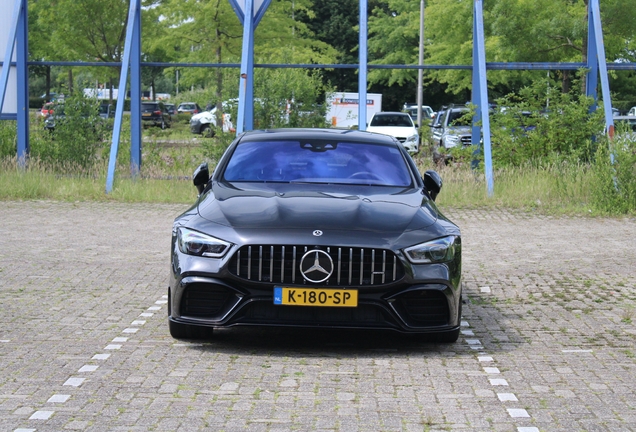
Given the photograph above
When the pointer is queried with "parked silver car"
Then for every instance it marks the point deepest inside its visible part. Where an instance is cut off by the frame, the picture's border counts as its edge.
(453, 128)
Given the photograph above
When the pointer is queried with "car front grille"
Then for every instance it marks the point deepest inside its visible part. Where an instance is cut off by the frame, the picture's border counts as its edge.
(351, 266)
(466, 140)
(401, 139)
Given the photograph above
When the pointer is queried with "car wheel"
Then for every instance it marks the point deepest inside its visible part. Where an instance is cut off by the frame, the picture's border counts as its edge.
(186, 331)
(207, 131)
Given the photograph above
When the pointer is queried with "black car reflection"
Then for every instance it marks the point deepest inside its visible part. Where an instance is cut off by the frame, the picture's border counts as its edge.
(315, 228)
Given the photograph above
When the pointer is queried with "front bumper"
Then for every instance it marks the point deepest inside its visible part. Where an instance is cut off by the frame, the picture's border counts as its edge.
(426, 300)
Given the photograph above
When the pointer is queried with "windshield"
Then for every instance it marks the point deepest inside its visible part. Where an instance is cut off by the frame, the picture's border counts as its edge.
(318, 162)
(391, 120)
(459, 118)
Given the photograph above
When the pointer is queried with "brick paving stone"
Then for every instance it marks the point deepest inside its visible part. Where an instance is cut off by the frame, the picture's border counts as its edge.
(558, 321)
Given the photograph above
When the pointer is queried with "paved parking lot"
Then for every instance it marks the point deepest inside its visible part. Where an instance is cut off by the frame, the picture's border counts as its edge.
(548, 342)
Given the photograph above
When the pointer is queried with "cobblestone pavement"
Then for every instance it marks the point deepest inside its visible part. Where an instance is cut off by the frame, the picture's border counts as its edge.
(548, 342)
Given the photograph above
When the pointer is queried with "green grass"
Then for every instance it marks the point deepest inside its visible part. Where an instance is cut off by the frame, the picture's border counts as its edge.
(167, 168)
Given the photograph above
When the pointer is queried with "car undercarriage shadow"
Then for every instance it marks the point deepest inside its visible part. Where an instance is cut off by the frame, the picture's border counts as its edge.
(310, 341)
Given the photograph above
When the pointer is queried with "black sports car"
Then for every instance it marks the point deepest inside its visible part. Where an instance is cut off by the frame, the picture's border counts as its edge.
(320, 228)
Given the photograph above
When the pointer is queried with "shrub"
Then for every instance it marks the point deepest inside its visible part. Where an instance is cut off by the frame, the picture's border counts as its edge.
(614, 186)
(8, 139)
(77, 137)
(544, 126)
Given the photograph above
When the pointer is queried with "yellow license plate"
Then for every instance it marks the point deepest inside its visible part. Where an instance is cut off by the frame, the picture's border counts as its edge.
(146, 114)
(315, 297)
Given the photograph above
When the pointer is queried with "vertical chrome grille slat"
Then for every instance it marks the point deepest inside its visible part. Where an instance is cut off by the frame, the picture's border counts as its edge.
(372, 265)
(249, 262)
(294, 264)
(260, 263)
(394, 267)
(271, 263)
(383, 266)
(339, 265)
(282, 265)
(361, 265)
(350, 265)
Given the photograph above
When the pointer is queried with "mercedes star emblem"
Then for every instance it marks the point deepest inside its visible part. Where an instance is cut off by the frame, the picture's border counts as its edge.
(316, 266)
(317, 233)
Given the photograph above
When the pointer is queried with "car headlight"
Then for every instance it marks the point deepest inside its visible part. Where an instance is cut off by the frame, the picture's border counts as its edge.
(434, 251)
(451, 140)
(413, 138)
(199, 244)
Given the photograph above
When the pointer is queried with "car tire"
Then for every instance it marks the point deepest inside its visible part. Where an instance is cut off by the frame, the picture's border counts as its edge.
(186, 331)
(207, 131)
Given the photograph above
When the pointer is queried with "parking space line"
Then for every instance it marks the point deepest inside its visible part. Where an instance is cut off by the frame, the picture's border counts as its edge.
(77, 381)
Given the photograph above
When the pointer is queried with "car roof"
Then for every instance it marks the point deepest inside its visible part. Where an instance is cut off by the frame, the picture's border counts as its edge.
(400, 113)
(318, 134)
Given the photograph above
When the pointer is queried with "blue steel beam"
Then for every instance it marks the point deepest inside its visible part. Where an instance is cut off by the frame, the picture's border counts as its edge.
(22, 73)
(489, 66)
(248, 34)
(119, 110)
(362, 71)
(597, 34)
(135, 94)
(480, 67)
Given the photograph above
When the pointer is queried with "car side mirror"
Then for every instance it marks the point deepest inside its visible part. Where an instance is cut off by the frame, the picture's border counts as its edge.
(201, 177)
(432, 183)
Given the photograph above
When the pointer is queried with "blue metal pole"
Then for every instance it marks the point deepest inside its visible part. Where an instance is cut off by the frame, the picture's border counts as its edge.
(135, 94)
(483, 94)
(591, 77)
(243, 81)
(595, 11)
(121, 96)
(23, 85)
(362, 71)
(476, 101)
(249, 95)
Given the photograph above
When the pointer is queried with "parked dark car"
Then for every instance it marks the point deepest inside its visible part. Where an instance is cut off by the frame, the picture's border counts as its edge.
(155, 114)
(315, 228)
(57, 116)
(172, 110)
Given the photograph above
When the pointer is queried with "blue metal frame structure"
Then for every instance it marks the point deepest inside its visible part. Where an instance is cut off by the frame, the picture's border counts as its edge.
(18, 40)
(132, 58)
(245, 120)
(362, 71)
(596, 65)
(480, 94)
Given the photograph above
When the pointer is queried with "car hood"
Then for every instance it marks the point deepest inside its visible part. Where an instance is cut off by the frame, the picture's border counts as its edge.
(343, 208)
(394, 131)
(456, 130)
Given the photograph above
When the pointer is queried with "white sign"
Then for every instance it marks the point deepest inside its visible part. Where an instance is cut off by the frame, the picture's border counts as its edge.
(342, 108)
(10, 105)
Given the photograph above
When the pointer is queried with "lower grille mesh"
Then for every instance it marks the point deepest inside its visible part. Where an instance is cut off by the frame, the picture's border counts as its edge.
(203, 300)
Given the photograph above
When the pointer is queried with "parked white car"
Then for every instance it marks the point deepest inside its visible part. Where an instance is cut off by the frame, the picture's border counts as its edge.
(204, 123)
(396, 124)
(632, 112)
